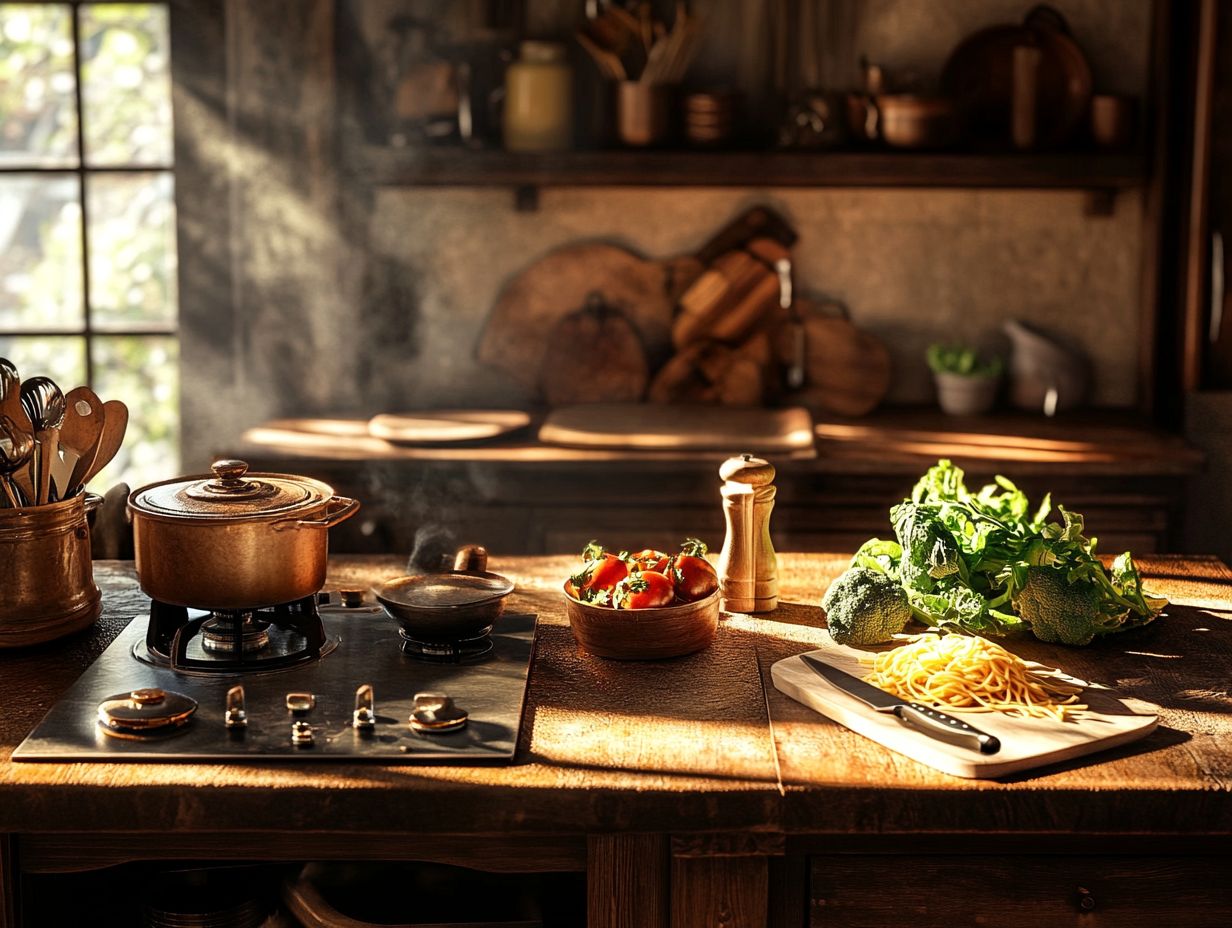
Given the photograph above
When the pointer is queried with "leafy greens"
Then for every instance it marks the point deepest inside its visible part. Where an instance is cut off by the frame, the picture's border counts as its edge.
(986, 562)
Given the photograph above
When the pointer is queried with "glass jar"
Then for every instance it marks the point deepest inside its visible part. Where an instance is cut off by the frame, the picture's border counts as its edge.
(539, 99)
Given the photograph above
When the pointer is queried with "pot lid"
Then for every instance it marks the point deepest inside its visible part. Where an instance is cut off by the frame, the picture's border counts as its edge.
(231, 493)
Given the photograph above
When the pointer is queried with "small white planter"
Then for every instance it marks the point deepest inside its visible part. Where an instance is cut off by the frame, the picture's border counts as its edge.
(960, 395)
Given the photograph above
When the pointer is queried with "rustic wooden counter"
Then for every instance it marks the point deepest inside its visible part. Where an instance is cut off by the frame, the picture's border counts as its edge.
(690, 788)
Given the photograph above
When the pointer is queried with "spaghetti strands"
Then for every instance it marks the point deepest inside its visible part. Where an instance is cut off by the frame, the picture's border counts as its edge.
(974, 674)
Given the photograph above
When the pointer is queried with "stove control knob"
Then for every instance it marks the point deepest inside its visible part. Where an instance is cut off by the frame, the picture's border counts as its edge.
(364, 716)
(300, 703)
(150, 696)
(352, 599)
(436, 714)
(301, 734)
(235, 717)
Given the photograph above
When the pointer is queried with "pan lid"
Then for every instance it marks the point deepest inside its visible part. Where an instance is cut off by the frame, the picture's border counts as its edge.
(230, 493)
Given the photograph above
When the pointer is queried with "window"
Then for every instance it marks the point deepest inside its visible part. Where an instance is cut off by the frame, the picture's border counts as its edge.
(87, 214)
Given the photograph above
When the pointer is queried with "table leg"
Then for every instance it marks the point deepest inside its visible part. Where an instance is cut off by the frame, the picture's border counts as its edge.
(728, 891)
(8, 883)
(626, 881)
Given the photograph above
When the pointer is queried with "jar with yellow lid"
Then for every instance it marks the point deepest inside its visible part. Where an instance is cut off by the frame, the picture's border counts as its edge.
(539, 99)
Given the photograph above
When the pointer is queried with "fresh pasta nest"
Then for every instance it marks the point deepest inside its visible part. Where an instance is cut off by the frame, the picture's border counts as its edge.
(966, 672)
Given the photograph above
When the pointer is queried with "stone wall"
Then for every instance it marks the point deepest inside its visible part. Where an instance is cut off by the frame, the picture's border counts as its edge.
(318, 318)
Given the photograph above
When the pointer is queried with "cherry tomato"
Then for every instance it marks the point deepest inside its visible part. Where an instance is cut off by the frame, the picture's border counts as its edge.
(695, 577)
(596, 582)
(650, 559)
(645, 589)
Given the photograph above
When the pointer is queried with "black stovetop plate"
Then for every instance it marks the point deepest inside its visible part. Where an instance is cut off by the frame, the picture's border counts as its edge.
(492, 690)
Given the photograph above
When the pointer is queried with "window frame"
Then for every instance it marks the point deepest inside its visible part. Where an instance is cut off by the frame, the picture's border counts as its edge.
(87, 332)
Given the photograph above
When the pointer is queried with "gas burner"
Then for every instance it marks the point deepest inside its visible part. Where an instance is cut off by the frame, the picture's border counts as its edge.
(462, 651)
(234, 641)
(219, 633)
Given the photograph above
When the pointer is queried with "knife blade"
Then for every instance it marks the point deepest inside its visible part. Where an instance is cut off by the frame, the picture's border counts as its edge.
(922, 718)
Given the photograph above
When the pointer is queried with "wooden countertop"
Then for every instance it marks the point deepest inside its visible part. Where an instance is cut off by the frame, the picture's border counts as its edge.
(702, 743)
(903, 440)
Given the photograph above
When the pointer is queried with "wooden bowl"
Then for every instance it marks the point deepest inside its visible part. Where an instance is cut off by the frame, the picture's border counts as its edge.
(644, 634)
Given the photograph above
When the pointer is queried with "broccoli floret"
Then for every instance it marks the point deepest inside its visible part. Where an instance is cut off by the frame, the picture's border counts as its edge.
(865, 606)
(1062, 612)
(929, 549)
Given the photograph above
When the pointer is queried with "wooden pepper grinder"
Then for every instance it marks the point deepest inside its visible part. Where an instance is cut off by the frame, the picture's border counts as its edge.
(748, 567)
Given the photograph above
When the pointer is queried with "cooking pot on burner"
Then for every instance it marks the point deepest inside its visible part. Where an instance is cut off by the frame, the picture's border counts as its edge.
(234, 540)
(448, 605)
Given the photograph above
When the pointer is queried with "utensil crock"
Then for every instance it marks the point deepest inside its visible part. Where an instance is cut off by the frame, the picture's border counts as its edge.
(643, 113)
(46, 573)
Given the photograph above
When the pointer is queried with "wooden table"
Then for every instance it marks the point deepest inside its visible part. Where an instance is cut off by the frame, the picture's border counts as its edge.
(693, 793)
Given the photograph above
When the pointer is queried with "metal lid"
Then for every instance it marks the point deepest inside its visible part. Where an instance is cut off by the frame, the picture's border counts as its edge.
(230, 493)
(540, 51)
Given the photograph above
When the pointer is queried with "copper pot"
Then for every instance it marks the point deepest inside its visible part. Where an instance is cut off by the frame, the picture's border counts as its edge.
(234, 540)
(46, 574)
(912, 121)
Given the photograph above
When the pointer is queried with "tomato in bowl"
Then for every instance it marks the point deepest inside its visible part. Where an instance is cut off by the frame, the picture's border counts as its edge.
(632, 612)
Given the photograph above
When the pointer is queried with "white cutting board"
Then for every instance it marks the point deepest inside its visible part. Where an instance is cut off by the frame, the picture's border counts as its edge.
(1025, 742)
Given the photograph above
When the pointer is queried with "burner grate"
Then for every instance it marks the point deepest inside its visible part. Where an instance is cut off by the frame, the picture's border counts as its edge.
(235, 641)
(461, 651)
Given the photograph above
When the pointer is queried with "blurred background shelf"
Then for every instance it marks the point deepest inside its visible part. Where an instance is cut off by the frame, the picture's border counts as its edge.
(523, 496)
(445, 166)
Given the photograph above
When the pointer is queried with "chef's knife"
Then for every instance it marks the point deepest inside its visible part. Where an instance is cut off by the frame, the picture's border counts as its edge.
(916, 715)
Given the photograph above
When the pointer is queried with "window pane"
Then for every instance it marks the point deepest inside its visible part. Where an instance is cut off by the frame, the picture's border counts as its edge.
(132, 249)
(143, 373)
(126, 87)
(61, 358)
(40, 252)
(38, 113)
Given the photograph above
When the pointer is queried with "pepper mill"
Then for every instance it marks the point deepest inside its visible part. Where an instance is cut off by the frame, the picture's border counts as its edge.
(748, 567)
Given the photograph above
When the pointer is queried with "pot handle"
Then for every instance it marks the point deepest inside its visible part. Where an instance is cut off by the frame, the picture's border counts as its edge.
(338, 509)
(471, 559)
(91, 501)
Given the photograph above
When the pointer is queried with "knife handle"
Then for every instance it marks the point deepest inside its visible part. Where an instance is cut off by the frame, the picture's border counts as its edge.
(937, 724)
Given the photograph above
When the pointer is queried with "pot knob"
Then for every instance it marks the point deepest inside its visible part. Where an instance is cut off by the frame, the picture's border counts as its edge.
(230, 483)
(230, 475)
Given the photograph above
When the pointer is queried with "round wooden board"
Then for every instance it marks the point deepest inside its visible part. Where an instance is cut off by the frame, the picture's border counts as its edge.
(530, 305)
(446, 426)
(847, 371)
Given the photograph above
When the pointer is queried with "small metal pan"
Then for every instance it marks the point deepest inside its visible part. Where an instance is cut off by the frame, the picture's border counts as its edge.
(448, 605)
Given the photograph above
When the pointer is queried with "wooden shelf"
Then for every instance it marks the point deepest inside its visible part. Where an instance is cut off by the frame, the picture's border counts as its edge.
(903, 440)
(437, 167)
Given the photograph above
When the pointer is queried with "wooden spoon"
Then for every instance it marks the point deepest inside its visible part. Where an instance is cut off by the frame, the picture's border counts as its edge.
(115, 422)
(79, 435)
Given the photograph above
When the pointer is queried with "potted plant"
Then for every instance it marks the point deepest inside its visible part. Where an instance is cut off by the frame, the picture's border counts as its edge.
(966, 382)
